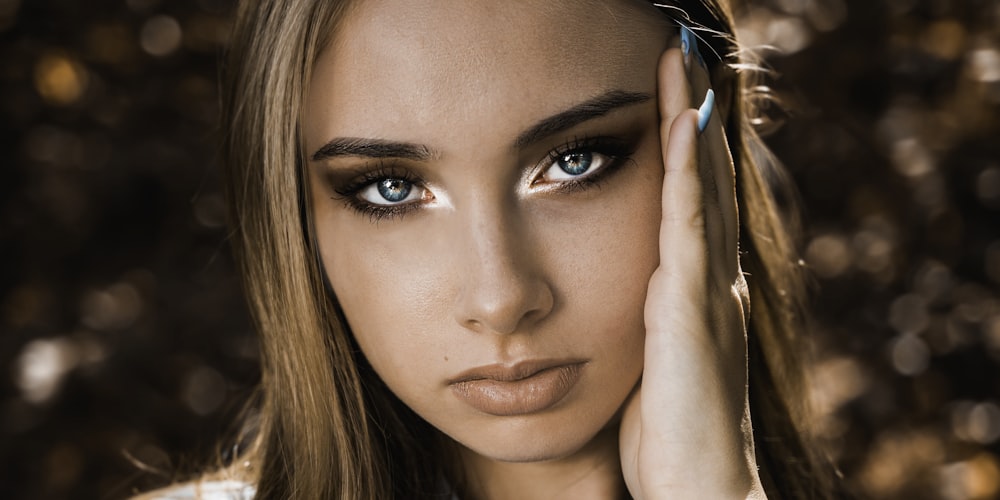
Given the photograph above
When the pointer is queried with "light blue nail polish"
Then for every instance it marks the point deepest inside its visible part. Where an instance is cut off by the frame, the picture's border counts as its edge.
(689, 45)
(687, 38)
(705, 111)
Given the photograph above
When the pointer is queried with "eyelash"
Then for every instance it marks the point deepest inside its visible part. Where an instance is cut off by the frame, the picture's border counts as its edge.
(349, 191)
(618, 152)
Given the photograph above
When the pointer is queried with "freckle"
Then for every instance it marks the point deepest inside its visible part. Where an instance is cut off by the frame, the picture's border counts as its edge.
(446, 358)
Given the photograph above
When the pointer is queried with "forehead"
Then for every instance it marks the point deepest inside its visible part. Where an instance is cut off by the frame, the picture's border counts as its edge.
(413, 62)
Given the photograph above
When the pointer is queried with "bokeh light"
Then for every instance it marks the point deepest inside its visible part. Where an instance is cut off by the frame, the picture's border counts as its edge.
(891, 139)
(126, 347)
(60, 79)
(161, 36)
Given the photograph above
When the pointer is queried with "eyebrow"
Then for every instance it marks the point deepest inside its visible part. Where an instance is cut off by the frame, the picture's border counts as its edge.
(587, 110)
(371, 148)
(564, 120)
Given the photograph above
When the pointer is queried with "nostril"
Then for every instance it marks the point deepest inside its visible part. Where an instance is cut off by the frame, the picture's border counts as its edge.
(503, 288)
(506, 307)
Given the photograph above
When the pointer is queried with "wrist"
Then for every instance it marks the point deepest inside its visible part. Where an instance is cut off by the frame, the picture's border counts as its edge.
(746, 488)
(717, 465)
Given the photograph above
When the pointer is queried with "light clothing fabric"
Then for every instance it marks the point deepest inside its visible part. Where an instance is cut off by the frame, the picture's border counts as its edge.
(206, 490)
(217, 490)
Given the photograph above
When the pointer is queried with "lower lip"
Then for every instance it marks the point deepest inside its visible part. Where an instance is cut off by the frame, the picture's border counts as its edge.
(519, 397)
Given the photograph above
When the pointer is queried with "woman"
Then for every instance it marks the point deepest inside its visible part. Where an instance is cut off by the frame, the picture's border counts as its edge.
(493, 251)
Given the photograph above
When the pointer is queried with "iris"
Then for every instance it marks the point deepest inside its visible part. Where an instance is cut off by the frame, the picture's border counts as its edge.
(394, 190)
(576, 163)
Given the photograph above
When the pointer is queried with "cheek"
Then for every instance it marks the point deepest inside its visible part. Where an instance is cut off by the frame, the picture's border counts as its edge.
(611, 250)
(600, 261)
(392, 298)
(386, 282)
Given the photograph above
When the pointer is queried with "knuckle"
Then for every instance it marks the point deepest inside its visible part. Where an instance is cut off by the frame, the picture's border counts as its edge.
(696, 220)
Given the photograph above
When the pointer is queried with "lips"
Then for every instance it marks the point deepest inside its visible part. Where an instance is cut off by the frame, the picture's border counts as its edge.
(524, 388)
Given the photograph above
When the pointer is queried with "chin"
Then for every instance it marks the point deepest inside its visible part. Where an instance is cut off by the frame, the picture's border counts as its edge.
(521, 442)
(525, 454)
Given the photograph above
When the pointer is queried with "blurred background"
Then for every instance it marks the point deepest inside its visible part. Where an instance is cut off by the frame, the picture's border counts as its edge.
(125, 348)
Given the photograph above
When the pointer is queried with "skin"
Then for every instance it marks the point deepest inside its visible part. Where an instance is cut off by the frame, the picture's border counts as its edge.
(494, 261)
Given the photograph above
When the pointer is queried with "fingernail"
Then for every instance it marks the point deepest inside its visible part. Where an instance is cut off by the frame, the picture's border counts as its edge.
(690, 41)
(686, 40)
(705, 111)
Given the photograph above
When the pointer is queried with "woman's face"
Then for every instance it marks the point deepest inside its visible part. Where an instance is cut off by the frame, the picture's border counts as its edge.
(485, 181)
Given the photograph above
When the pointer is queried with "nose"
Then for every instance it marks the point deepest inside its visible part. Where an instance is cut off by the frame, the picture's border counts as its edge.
(504, 289)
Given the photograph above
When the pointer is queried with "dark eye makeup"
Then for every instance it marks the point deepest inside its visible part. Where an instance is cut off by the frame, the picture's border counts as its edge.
(575, 161)
(384, 190)
(380, 175)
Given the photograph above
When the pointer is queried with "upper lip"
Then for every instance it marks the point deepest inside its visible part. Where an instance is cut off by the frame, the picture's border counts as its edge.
(511, 372)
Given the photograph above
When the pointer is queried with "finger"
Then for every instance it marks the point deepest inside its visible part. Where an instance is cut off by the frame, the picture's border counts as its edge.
(720, 186)
(672, 89)
(703, 97)
(680, 278)
(708, 169)
(676, 297)
(724, 179)
(681, 224)
(693, 60)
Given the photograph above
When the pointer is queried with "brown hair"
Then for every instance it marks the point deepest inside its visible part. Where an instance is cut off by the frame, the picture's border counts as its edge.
(328, 427)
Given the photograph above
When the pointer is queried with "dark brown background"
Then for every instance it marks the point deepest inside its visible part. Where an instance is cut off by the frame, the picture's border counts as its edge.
(125, 339)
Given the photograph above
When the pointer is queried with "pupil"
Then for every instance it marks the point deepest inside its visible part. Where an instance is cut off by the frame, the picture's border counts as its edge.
(576, 163)
(394, 190)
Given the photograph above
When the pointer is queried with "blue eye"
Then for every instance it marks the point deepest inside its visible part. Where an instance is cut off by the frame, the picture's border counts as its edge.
(576, 164)
(390, 191)
(394, 190)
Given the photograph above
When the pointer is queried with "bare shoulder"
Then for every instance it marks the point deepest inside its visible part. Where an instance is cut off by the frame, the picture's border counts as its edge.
(203, 489)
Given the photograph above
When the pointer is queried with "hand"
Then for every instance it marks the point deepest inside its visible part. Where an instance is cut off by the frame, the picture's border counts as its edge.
(685, 431)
